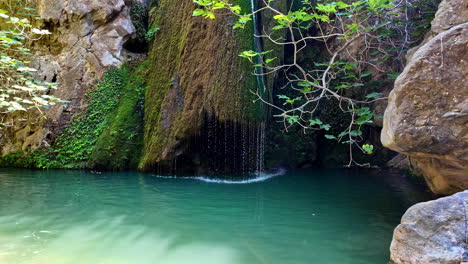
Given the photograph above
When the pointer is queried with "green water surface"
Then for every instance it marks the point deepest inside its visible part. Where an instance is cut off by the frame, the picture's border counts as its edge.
(298, 217)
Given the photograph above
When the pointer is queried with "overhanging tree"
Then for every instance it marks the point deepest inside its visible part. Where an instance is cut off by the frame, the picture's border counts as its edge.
(359, 38)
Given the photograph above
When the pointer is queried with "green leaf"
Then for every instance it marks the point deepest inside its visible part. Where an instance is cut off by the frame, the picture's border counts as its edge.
(368, 149)
(393, 75)
(342, 134)
(248, 54)
(291, 119)
(236, 9)
(199, 12)
(269, 60)
(314, 122)
(305, 90)
(372, 96)
(304, 84)
(327, 8)
(355, 133)
(366, 74)
(325, 127)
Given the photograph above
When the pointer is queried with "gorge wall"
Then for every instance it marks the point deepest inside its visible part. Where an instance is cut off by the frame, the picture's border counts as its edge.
(427, 113)
(198, 100)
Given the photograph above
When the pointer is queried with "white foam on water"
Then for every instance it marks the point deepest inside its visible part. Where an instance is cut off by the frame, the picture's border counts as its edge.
(259, 177)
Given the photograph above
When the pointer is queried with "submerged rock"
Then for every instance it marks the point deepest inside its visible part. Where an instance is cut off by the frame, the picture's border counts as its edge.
(427, 113)
(434, 232)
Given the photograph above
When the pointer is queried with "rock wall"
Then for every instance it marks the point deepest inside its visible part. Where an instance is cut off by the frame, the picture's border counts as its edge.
(433, 232)
(198, 88)
(87, 38)
(427, 113)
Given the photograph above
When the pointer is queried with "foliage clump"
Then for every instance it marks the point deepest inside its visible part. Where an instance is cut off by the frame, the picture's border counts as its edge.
(359, 39)
(139, 17)
(75, 144)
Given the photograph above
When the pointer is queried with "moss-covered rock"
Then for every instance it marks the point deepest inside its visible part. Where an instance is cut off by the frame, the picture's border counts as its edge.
(73, 147)
(87, 38)
(119, 146)
(195, 71)
(107, 135)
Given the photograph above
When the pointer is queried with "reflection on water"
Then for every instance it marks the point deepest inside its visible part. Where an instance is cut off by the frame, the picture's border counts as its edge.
(106, 242)
(326, 216)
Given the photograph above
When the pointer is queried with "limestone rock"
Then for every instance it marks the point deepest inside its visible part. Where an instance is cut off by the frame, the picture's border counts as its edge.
(88, 36)
(433, 232)
(450, 14)
(427, 113)
(400, 162)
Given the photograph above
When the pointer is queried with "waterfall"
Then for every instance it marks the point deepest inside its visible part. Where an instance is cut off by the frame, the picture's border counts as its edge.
(230, 146)
(259, 71)
(257, 48)
(260, 148)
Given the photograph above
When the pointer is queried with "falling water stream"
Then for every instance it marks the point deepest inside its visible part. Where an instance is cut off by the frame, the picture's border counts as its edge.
(227, 146)
(261, 88)
(259, 72)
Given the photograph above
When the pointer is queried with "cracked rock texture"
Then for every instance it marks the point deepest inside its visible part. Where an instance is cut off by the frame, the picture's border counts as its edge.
(433, 232)
(87, 38)
(427, 113)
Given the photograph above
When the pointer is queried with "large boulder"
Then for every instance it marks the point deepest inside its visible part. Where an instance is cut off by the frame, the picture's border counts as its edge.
(427, 112)
(87, 38)
(433, 232)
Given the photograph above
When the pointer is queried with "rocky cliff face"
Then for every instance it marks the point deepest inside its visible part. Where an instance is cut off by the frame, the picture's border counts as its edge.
(427, 114)
(198, 101)
(87, 38)
(433, 232)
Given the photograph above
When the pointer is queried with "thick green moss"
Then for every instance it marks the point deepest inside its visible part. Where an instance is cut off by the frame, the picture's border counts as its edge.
(195, 69)
(119, 146)
(75, 144)
(164, 56)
